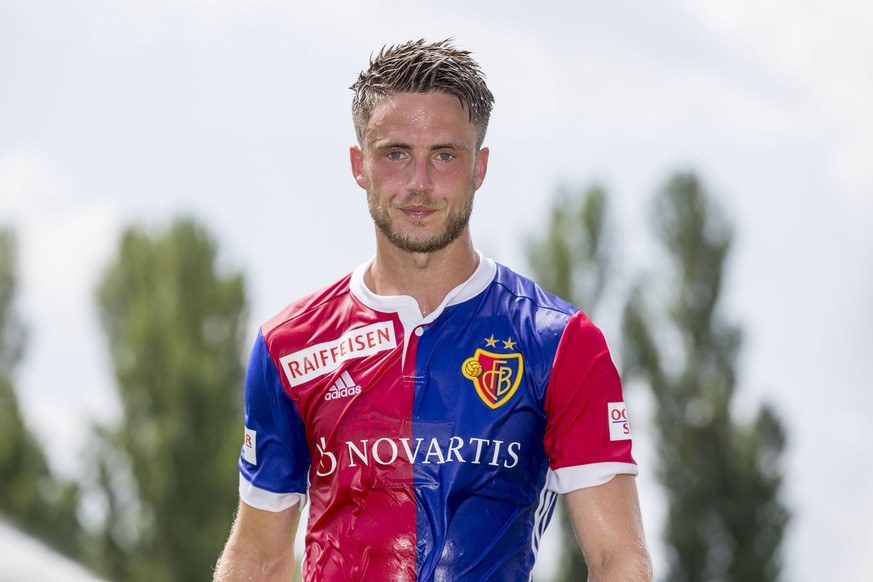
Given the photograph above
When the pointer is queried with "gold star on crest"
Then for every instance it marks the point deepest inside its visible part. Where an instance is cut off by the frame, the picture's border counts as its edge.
(509, 344)
(490, 342)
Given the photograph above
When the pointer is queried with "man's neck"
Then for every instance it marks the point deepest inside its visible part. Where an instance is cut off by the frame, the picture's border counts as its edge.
(426, 277)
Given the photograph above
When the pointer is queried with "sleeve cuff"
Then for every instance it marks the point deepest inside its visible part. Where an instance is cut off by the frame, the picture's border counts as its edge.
(267, 500)
(569, 479)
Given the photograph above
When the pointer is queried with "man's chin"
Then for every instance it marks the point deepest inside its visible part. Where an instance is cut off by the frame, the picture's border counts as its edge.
(420, 246)
(418, 238)
(420, 242)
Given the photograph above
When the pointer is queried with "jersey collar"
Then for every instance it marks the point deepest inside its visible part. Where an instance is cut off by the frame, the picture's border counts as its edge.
(406, 306)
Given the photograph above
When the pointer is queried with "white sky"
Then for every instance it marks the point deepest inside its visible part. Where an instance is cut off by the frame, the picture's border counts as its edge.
(237, 112)
(26, 560)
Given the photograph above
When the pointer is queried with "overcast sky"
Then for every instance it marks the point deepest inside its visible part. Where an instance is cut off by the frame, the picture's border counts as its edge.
(237, 113)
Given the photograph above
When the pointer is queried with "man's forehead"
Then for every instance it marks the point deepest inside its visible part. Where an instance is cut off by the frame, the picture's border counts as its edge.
(419, 113)
(436, 95)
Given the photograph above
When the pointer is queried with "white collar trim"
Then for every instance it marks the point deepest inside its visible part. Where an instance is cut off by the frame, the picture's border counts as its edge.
(407, 307)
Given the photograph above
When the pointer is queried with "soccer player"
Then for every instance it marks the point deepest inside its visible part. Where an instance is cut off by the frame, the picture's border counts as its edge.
(432, 404)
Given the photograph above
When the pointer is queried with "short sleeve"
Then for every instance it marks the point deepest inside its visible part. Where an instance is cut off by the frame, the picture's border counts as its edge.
(587, 436)
(274, 460)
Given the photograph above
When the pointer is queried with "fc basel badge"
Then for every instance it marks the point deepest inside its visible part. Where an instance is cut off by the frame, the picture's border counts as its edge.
(495, 376)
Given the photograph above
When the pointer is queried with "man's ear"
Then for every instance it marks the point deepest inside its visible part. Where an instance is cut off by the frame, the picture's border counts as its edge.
(356, 157)
(481, 166)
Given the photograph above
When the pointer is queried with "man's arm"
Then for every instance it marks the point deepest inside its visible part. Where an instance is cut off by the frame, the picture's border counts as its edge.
(607, 522)
(260, 547)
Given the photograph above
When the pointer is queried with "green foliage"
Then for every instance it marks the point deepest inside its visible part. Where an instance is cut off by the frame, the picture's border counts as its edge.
(30, 495)
(721, 477)
(12, 333)
(175, 330)
(571, 261)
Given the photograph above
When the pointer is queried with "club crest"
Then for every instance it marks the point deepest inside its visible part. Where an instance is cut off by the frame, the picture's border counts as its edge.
(495, 376)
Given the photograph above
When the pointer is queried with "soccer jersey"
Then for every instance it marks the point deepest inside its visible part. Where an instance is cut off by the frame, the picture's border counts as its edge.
(430, 448)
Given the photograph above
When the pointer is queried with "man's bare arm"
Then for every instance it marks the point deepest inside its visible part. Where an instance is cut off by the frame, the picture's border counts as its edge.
(260, 547)
(609, 528)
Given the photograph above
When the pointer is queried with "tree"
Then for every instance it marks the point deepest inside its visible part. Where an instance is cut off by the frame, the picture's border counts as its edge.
(571, 261)
(167, 471)
(30, 494)
(722, 477)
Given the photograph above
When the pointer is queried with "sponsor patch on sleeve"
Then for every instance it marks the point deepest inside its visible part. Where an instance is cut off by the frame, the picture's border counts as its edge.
(619, 429)
(250, 444)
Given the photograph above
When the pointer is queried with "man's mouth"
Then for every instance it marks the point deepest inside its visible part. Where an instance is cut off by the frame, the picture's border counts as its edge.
(418, 212)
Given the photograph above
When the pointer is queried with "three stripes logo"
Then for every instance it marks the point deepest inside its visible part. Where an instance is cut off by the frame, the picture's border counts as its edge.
(344, 387)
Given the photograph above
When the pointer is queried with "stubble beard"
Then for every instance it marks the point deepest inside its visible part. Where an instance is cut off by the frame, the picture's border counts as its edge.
(456, 224)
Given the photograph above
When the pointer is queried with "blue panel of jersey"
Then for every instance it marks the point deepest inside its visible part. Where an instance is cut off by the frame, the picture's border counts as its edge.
(489, 501)
(280, 432)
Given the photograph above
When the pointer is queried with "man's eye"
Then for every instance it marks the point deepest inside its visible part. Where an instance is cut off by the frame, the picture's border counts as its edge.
(445, 157)
(395, 155)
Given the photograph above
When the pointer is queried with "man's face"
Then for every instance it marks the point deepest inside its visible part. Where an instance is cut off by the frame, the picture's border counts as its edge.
(420, 167)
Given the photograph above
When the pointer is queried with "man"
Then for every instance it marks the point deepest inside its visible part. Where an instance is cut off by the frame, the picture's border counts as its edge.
(432, 404)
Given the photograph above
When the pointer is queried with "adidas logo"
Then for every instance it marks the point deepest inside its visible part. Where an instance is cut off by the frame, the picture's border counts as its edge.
(342, 388)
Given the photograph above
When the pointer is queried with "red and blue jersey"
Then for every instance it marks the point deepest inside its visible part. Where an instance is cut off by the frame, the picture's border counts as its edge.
(430, 448)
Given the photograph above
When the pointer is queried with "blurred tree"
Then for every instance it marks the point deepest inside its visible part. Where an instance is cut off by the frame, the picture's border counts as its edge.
(722, 478)
(571, 261)
(167, 472)
(30, 495)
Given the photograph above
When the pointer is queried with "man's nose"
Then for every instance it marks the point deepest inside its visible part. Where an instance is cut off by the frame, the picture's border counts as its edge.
(420, 179)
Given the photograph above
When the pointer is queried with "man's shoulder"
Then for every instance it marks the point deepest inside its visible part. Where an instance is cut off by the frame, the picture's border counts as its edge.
(524, 287)
(308, 306)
